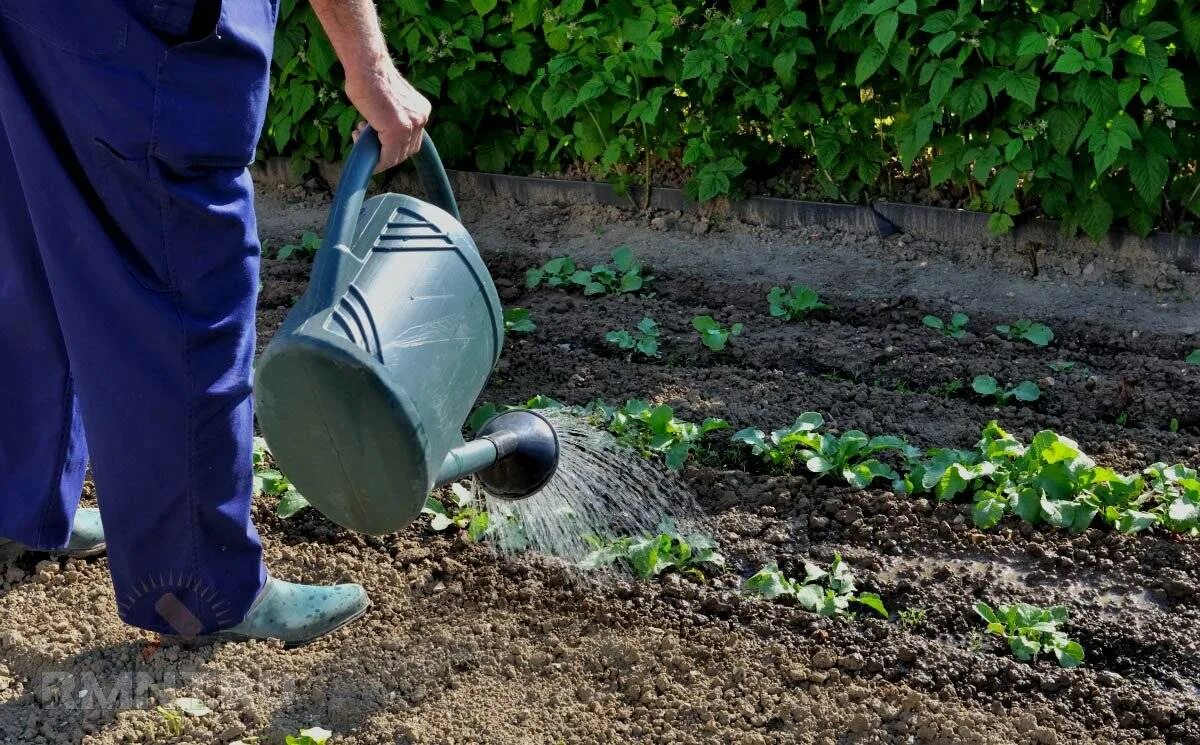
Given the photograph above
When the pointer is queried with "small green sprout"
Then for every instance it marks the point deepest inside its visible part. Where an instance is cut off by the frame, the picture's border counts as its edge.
(986, 385)
(643, 340)
(1193, 358)
(310, 736)
(1030, 631)
(948, 389)
(650, 556)
(172, 720)
(955, 328)
(1037, 334)
(1061, 366)
(463, 512)
(794, 304)
(712, 334)
(269, 481)
(623, 275)
(654, 429)
(912, 616)
(309, 243)
(828, 593)
(518, 321)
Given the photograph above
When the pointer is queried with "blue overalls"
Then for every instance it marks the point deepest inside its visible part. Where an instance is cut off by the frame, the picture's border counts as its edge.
(128, 278)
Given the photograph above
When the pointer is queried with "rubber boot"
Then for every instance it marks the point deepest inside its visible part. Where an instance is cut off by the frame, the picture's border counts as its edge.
(87, 537)
(298, 614)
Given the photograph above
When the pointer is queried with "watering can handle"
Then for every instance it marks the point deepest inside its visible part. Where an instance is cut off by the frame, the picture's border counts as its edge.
(356, 177)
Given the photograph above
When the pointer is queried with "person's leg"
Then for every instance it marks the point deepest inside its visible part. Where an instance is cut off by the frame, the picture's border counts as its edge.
(43, 454)
(154, 271)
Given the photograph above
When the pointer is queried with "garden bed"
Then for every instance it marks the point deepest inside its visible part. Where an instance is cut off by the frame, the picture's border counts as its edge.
(465, 647)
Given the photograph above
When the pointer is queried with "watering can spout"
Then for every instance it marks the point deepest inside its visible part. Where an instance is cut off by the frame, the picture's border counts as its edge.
(514, 455)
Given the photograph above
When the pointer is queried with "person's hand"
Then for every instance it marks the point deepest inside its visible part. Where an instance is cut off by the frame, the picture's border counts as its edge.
(393, 108)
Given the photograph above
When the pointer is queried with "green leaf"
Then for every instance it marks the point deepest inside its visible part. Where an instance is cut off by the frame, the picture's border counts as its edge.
(872, 601)
(518, 59)
(193, 707)
(483, 7)
(1171, 90)
(1069, 62)
(769, 582)
(885, 28)
(1027, 391)
(1193, 358)
(291, 503)
(1149, 174)
(868, 62)
(985, 385)
(1069, 655)
(1022, 86)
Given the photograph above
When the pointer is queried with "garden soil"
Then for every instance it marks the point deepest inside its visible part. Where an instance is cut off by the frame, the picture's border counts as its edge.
(463, 646)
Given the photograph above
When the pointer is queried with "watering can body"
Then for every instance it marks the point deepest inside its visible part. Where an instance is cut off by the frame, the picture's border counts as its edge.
(362, 393)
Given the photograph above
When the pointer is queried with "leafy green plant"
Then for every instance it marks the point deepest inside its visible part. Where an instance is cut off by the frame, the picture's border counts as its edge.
(518, 321)
(463, 512)
(643, 339)
(269, 481)
(794, 304)
(987, 386)
(955, 327)
(309, 243)
(650, 556)
(1176, 493)
(625, 274)
(1037, 334)
(912, 616)
(828, 593)
(712, 334)
(486, 411)
(851, 455)
(654, 429)
(310, 736)
(171, 720)
(1193, 358)
(1031, 631)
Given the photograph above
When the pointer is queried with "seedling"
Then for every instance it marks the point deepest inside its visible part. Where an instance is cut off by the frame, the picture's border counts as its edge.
(462, 512)
(1030, 631)
(912, 616)
(712, 334)
(1177, 492)
(1061, 366)
(309, 243)
(643, 340)
(624, 274)
(654, 429)
(1193, 358)
(948, 389)
(987, 386)
(518, 321)
(171, 719)
(850, 455)
(650, 556)
(955, 327)
(828, 593)
(1037, 334)
(310, 736)
(794, 304)
(269, 481)
(486, 411)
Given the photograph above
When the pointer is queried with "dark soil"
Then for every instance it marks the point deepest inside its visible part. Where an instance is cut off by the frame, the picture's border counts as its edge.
(466, 647)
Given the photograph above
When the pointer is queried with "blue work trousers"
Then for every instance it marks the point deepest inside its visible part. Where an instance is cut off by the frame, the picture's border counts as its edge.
(128, 278)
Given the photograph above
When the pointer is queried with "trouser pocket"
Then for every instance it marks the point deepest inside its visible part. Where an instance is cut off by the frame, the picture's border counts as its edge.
(212, 91)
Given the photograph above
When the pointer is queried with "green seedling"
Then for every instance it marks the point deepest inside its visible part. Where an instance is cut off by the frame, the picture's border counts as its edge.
(1030, 631)
(309, 243)
(828, 593)
(850, 455)
(948, 389)
(642, 340)
(1061, 366)
(171, 720)
(650, 556)
(1037, 334)
(1173, 425)
(987, 386)
(912, 616)
(1176, 493)
(310, 736)
(625, 274)
(486, 411)
(1193, 358)
(462, 512)
(654, 429)
(794, 304)
(518, 321)
(712, 334)
(955, 327)
(269, 481)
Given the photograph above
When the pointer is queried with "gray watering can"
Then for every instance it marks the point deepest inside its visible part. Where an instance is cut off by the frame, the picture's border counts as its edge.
(362, 393)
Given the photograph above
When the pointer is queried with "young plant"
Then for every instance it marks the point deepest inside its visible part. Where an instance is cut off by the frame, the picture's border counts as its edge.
(955, 327)
(310, 736)
(518, 321)
(642, 340)
(851, 455)
(712, 334)
(1030, 631)
(486, 411)
(625, 274)
(309, 243)
(1037, 334)
(912, 616)
(794, 304)
(463, 513)
(650, 556)
(828, 593)
(1193, 358)
(654, 429)
(270, 482)
(987, 386)
(1176, 490)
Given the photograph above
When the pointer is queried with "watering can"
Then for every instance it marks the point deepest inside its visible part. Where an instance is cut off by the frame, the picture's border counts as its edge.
(362, 393)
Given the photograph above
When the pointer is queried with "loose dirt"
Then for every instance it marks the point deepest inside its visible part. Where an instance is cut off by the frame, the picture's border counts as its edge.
(463, 646)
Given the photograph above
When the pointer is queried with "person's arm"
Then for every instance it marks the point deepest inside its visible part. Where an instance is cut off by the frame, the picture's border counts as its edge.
(387, 101)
